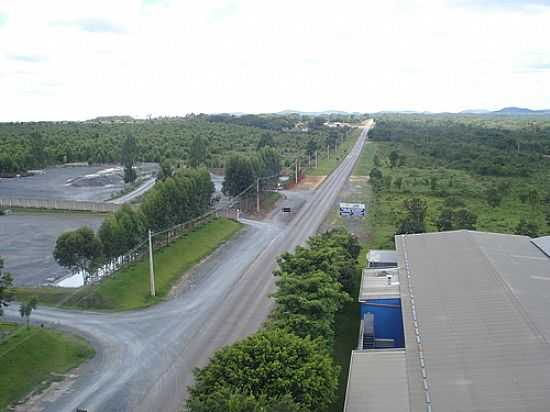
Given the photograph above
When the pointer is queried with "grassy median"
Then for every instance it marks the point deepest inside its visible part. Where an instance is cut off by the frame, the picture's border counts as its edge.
(35, 356)
(129, 288)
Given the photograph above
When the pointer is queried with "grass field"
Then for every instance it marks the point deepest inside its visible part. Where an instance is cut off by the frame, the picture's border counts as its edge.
(32, 357)
(129, 288)
(386, 207)
(326, 166)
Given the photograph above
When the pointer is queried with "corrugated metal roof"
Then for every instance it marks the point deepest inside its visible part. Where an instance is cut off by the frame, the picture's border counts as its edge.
(377, 382)
(376, 285)
(383, 256)
(543, 243)
(476, 312)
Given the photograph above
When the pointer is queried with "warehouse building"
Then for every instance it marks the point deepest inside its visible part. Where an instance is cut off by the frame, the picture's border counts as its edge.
(476, 320)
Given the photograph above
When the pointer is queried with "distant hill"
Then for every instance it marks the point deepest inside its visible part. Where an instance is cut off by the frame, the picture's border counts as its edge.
(323, 113)
(122, 118)
(475, 111)
(520, 111)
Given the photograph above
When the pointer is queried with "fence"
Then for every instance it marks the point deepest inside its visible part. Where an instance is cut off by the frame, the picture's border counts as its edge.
(98, 207)
(159, 240)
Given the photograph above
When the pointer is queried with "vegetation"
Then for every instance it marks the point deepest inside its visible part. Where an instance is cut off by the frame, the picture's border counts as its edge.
(467, 171)
(6, 281)
(29, 357)
(129, 287)
(241, 172)
(26, 308)
(289, 362)
(79, 250)
(272, 364)
(25, 146)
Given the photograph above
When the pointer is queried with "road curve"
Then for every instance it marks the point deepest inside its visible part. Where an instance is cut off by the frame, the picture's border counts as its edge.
(146, 358)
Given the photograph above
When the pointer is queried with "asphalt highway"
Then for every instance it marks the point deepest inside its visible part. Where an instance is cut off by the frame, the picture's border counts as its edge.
(145, 358)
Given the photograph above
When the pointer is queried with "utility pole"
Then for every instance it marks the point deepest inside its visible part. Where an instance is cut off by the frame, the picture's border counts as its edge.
(258, 195)
(328, 152)
(316, 160)
(296, 173)
(309, 160)
(151, 270)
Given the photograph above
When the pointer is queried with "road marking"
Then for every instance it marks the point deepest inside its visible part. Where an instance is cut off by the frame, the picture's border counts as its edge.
(540, 277)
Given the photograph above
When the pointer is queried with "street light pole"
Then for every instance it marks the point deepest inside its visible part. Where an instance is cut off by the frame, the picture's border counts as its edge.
(151, 270)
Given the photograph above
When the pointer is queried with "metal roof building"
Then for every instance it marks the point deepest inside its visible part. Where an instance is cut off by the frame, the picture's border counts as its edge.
(476, 315)
(382, 258)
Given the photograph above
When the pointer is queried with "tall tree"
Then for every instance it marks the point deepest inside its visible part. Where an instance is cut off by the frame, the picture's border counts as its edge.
(394, 158)
(527, 228)
(79, 249)
(26, 308)
(6, 282)
(273, 364)
(239, 174)
(129, 153)
(266, 140)
(198, 152)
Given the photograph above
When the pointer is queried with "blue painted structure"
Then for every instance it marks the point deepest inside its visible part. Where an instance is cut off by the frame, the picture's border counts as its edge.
(388, 319)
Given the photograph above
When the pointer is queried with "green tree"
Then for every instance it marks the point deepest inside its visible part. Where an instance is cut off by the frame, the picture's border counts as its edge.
(376, 178)
(166, 169)
(226, 401)
(312, 296)
(398, 182)
(198, 152)
(311, 147)
(129, 153)
(445, 220)
(464, 219)
(26, 308)
(394, 158)
(239, 174)
(414, 220)
(6, 281)
(527, 228)
(79, 249)
(494, 196)
(533, 197)
(266, 140)
(273, 364)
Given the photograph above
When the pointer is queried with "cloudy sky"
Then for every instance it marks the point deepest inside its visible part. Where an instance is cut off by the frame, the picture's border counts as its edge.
(79, 59)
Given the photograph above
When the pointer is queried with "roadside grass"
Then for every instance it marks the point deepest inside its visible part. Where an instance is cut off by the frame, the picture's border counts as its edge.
(129, 288)
(34, 357)
(326, 166)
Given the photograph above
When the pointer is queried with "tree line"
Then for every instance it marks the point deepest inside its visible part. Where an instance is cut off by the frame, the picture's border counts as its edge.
(25, 146)
(174, 200)
(486, 147)
(242, 171)
(287, 366)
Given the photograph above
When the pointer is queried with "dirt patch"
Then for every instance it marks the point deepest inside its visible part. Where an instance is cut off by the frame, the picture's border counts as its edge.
(309, 183)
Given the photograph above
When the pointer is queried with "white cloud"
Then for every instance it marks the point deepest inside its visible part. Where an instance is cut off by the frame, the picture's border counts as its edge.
(173, 57)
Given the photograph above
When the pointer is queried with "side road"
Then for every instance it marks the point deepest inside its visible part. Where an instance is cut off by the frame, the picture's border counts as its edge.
(146, 358)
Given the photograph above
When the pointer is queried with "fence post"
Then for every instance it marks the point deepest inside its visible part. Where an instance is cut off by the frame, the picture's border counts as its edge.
(151, 270)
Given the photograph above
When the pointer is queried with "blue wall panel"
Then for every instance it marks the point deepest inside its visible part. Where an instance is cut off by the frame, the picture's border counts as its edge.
(388, 320)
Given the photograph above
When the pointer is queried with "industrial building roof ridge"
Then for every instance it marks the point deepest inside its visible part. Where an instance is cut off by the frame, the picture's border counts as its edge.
(506, 287)
(496, 297)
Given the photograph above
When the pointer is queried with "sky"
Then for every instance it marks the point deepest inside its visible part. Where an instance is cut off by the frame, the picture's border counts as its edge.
(78, 59)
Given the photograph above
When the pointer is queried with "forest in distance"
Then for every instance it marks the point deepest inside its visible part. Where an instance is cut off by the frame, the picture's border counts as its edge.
(25, 146)
(440, 172)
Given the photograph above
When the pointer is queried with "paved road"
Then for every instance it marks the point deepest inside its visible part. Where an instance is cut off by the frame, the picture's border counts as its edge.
(145, 358)
(148, 184)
